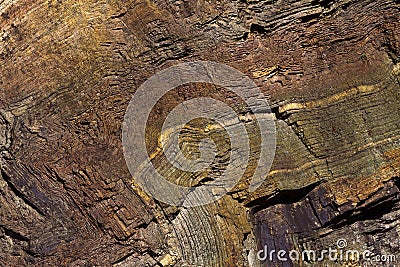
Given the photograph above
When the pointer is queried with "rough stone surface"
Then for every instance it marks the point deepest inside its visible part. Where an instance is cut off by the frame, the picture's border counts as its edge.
(68, 69)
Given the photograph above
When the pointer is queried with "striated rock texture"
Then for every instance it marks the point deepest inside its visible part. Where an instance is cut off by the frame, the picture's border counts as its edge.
(330, 70)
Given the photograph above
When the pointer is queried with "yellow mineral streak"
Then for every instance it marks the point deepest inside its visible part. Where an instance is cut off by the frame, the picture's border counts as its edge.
(362, 89)
(270, 71)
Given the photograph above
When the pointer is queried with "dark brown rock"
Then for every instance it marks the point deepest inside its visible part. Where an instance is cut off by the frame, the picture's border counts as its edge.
(329, 69)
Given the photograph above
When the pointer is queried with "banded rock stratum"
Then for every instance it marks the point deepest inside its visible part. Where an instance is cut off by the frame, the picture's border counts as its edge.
(68, 69)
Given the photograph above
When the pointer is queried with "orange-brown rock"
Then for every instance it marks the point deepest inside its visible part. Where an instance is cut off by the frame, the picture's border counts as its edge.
(68, 69)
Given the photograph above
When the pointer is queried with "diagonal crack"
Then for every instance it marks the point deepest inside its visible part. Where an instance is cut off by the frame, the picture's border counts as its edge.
(18, 193)
(284, 116)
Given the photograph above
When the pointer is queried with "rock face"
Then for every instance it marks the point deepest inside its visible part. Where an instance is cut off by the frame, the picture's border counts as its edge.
(329, 69)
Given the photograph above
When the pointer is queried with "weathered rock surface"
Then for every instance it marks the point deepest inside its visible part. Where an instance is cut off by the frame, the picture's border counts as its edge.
(330, 70)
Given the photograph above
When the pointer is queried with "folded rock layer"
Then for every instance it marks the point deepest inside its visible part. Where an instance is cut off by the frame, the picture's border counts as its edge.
(68, 69)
